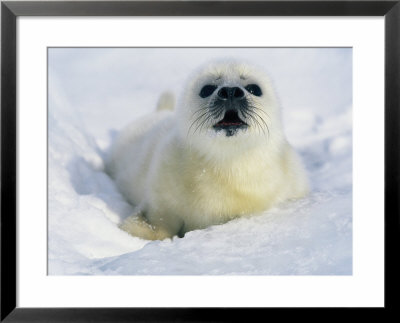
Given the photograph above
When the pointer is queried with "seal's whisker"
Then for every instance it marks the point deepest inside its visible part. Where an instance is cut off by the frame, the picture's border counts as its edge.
(256, 117)
(203, 122)
(201, 109)
(263, 121)
(260, 127)
(255, 121)
(253, 105)
(195, 121)
(261, 118)
(204, 115)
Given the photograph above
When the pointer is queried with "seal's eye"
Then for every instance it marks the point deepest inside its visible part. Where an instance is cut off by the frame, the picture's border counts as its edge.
(207, 90)
(254, 89)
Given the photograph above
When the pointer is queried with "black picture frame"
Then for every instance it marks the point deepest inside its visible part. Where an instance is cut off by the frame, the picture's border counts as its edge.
(10, 10)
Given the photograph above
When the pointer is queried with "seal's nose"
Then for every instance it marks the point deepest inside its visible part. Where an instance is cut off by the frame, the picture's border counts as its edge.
(231, 93)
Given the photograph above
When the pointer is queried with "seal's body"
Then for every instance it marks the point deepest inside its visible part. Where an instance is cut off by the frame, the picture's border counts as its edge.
(222, 154)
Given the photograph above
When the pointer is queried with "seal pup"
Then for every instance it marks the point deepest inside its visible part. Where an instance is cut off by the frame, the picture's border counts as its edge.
(219, 155)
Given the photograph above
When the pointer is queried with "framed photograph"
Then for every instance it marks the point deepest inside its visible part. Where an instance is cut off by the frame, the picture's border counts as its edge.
(198, 161)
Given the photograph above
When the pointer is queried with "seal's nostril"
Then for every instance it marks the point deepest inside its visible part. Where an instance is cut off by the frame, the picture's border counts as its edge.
(237, 93)
(223, 93)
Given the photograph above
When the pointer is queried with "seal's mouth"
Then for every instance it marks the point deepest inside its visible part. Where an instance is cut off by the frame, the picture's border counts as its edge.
(230, 123)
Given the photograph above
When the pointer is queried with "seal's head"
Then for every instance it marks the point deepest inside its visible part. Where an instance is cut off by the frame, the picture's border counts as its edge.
(230, 102)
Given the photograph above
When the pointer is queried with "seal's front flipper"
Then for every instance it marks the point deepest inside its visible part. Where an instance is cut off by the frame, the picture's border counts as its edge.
(137, 226)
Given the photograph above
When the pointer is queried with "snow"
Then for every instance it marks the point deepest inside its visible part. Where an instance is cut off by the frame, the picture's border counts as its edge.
(95, 92)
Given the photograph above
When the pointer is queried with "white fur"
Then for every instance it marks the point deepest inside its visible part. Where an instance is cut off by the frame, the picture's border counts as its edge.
(182, 179)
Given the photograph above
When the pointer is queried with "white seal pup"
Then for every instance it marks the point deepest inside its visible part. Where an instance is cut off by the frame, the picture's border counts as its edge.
(220, 155)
